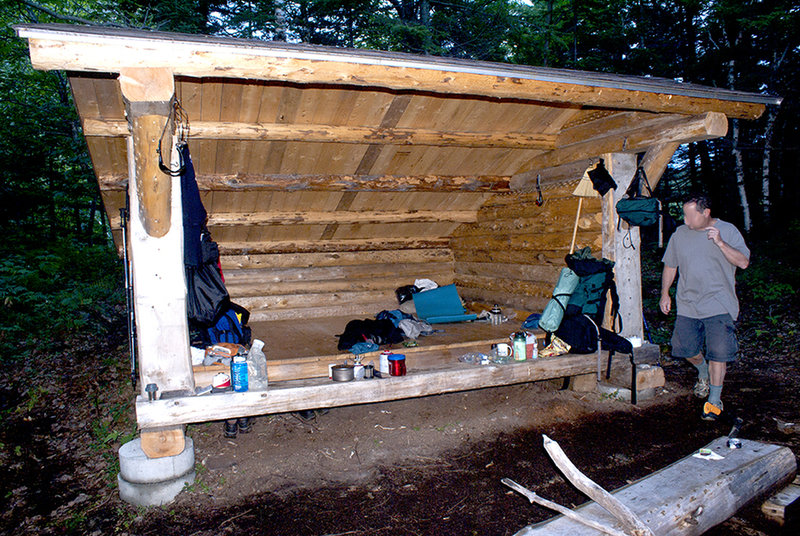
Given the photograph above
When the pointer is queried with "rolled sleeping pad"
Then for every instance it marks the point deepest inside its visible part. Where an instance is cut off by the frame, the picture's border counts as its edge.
(554, 310)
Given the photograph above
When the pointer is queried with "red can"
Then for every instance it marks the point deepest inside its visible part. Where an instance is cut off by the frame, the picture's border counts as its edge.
(397, 364)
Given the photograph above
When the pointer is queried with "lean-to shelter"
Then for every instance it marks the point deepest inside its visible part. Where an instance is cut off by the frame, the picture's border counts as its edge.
(332, 177)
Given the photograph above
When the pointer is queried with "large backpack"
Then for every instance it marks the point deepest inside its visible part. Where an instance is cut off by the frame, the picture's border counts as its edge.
(596, 281)
(580, 327)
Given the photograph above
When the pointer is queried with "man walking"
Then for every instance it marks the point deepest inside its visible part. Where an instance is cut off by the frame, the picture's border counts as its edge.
(706, 252)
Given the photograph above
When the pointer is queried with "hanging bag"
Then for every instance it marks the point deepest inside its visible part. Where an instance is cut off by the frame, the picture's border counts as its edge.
(636, 209)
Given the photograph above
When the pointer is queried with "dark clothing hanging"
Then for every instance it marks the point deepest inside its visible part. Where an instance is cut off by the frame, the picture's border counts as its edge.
(194, 213)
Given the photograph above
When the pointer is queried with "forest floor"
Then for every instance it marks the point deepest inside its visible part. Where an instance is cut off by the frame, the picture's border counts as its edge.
(411, 467)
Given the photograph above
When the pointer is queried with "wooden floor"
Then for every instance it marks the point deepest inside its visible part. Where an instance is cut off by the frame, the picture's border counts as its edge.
(291, 339)
(300, 349)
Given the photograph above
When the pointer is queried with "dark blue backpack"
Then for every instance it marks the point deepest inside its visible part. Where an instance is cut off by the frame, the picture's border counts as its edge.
(231, 326)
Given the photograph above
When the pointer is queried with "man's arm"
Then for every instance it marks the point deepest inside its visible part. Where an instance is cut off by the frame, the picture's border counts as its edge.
(667, 278)
(734, 256)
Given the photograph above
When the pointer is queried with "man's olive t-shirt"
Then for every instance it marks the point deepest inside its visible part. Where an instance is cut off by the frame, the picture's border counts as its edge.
(706, 284)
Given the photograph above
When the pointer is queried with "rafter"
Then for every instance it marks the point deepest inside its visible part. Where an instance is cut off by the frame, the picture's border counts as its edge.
(209, 130)
(243, 182)
(665, 130)
(228, 219)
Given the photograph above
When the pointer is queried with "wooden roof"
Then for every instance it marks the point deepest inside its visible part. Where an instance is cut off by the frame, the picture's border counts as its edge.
(298, 145)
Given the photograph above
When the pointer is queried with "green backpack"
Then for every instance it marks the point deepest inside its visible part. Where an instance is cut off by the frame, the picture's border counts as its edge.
(596, 280)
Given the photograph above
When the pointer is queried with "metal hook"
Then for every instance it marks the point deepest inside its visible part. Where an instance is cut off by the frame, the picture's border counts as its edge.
(180, 120)
(540, 199)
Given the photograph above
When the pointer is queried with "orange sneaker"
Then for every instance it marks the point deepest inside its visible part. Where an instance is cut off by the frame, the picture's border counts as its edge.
(711, 412)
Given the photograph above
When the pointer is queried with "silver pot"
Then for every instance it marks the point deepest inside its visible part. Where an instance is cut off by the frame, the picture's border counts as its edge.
(342, 373)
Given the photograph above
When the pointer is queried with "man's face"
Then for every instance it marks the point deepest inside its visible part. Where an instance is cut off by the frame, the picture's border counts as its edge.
(696, 219)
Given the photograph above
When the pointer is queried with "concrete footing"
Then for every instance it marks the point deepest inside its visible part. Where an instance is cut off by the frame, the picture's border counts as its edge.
(147, 481)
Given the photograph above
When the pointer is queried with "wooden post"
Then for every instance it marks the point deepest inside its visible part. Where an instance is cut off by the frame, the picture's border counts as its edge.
(156, 237)
(622, 248)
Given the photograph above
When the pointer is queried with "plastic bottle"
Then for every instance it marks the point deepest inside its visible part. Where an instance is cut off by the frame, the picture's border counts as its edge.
(519, 346)
(532, 352)
(239, 374)
(257, 366)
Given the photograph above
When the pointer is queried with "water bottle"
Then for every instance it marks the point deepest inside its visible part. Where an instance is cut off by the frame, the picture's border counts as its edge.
(257, 366)
(239, 373)
(519, 346)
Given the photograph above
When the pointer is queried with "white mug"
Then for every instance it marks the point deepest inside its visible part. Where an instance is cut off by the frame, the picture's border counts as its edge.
(503, 350)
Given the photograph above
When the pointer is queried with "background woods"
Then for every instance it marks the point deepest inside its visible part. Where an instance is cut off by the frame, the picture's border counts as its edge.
(50, 203)
(65, 393)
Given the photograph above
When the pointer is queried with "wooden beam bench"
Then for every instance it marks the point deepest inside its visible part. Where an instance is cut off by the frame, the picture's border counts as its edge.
(295, 395)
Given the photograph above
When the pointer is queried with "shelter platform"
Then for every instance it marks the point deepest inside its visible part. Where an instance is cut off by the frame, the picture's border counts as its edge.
(301, 349)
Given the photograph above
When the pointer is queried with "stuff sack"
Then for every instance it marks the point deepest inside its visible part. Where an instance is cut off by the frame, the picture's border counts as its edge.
(231, 326)
(639, 212)
(636, 209)
(554, 310)
(378, 331)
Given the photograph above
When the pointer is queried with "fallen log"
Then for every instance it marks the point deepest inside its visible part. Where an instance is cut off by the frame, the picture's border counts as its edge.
(690, 496)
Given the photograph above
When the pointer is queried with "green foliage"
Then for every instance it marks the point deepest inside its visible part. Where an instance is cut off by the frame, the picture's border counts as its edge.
(49, 292)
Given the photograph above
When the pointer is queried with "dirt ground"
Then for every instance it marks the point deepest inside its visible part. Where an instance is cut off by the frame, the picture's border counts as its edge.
(419, 467)
(413, 467)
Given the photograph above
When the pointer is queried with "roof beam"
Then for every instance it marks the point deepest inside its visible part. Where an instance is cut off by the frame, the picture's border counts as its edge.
(655, 161)
(229, 219)
(666, 130)
(192, 56)
(210, 130)
(243, 182)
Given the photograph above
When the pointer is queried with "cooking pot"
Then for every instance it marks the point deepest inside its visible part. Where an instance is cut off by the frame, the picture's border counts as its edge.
(342, 373)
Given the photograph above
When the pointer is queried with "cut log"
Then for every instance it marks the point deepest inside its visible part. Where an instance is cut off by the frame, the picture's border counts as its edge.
(219, 130)
(784, 506)
(336, 258)
(692, 495)
(163, 442)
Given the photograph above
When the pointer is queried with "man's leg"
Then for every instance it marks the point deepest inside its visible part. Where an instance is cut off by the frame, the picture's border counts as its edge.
(687, 343)
(722, 347)
(716, 370)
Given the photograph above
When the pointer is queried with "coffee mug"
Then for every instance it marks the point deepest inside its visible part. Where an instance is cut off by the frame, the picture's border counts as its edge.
(502, 349)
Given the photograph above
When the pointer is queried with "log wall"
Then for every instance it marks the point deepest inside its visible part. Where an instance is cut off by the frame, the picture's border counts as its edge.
(307, 285)
(513, 253)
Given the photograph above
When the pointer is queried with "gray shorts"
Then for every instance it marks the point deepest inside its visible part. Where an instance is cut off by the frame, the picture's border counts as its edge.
(717, 332)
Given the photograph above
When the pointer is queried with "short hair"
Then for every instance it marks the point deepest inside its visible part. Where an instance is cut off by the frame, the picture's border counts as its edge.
(702, 201)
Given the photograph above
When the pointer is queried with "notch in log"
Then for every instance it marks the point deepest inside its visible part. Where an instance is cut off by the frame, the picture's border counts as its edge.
(148, 101)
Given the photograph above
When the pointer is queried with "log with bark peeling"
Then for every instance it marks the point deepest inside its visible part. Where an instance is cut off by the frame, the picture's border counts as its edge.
(686, 498)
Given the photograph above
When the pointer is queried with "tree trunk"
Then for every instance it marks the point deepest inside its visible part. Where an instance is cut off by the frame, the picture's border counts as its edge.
(739, 169)
(735, 150)
(548, 24)
(772, 113)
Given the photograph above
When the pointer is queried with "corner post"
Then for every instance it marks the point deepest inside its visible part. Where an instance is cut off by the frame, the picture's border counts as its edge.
(156, 235)
(627, 263)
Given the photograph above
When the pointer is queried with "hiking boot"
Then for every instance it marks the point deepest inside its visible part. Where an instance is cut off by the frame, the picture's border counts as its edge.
(306, 415)
(245, 425)
(711, 412)
(701, 388)
(231, 429)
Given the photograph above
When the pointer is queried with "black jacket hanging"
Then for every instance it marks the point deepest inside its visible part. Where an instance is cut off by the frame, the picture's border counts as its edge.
(206, 295)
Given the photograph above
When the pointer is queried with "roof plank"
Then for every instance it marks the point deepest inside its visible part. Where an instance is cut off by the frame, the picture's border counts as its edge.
(108, 50)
